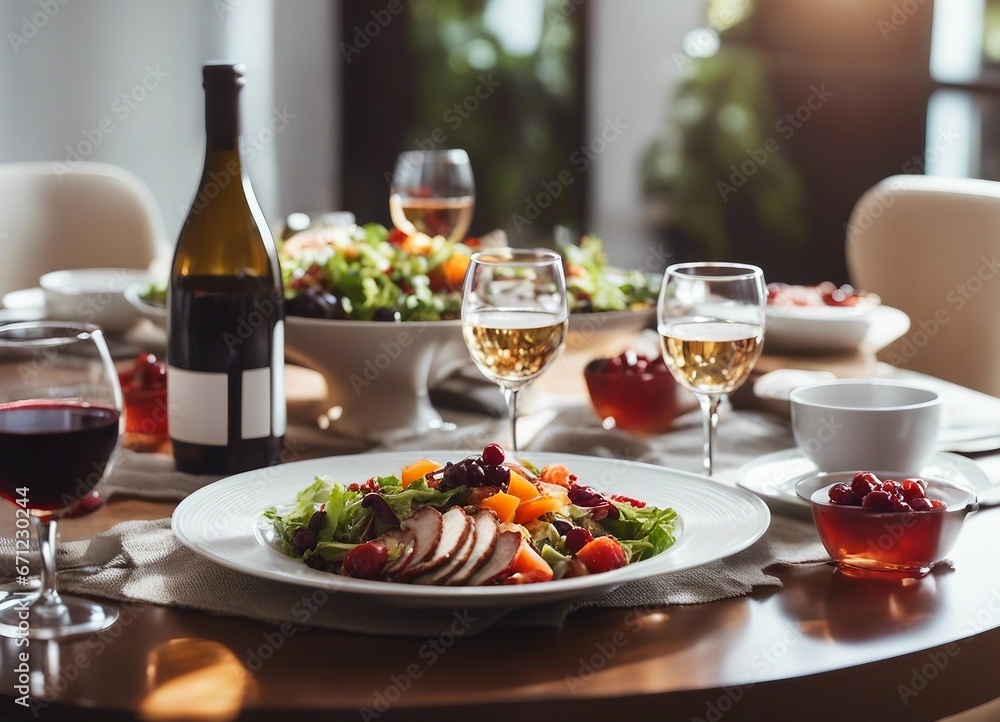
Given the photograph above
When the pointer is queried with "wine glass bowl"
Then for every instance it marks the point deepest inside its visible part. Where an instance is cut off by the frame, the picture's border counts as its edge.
(711, 323)
(514, 317)
(60, 424)
(433, 193)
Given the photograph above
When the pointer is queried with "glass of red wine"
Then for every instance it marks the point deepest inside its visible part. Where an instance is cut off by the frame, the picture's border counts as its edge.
(60, 424)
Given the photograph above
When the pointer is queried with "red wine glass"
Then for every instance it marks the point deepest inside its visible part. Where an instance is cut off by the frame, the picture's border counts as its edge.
(60, 424)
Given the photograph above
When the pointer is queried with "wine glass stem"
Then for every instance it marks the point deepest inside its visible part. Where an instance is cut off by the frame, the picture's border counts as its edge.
(511, 396)
(710, 417)
(48, 598)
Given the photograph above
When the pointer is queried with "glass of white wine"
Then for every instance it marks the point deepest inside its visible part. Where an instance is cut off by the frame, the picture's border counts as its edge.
(514, 317)
(433, 192)
(711, 324)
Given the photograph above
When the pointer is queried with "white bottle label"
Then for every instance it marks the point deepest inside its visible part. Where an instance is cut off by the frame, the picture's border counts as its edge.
(198, 403)
(198, 406)
(279, 422)
(256, 406)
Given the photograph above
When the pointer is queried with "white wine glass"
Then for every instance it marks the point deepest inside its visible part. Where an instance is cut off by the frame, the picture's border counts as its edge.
(514, 317)
(433, 192)
(711, 324)
(60, 423)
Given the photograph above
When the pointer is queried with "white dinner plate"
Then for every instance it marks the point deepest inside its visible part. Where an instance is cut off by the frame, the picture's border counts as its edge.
(773, 478)
(222, 522)
(832, 329)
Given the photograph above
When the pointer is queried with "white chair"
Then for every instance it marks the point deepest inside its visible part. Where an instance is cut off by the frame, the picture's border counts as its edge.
(931, 247)
(95, 215)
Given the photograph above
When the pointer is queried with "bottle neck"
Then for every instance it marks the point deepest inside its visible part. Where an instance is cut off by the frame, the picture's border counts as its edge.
(222, 120)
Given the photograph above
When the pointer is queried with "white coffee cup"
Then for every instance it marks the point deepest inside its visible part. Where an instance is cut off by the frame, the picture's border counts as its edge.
(865, 425)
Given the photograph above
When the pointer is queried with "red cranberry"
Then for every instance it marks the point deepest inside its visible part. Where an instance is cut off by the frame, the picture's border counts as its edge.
(842, 494)
(899, 505)
(920, 503)
(577, 538)
(893, 487)
(493, 455)
(863, 483)
(877, 501)
(912, 489)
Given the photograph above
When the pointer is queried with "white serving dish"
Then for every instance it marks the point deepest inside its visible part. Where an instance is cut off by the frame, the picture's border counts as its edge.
(832, 329)
(92, 295)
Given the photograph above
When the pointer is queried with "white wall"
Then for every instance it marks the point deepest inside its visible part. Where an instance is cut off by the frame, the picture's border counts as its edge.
(307, 82)
(633, 76)
(62, 81)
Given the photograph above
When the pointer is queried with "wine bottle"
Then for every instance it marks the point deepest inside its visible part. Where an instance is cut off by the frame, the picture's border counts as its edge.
(225, 348)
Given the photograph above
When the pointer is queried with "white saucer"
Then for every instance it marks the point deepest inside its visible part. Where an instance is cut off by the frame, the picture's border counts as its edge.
(27, 299)
(25, 305)
(773, 478)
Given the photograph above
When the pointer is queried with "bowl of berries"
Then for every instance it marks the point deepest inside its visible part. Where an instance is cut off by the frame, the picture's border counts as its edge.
(144, 390)
(818, 319)
(632, 392)
(883, 525)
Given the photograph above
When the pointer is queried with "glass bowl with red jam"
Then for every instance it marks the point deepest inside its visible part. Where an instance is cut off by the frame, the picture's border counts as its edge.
(633, 392)
(884, 525)
(144, 390)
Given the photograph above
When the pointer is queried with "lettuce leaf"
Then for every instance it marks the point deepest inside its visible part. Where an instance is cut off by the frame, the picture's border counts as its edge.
(402, 501)
(643, 532)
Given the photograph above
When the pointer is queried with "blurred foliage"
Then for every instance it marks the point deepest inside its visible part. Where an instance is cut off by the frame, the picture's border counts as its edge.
(722, 117)
(522, 134)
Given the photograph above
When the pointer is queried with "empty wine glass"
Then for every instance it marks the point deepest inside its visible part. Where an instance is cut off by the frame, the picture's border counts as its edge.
(514, 317)
(711, 324)
(433, 193)
(60, 422)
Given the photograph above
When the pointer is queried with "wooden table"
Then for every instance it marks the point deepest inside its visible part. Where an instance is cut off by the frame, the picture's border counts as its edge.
(822, 648)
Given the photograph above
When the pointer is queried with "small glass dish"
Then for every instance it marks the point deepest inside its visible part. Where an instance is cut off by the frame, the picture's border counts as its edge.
(886, 544)
(632, 392)
(144, 391)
